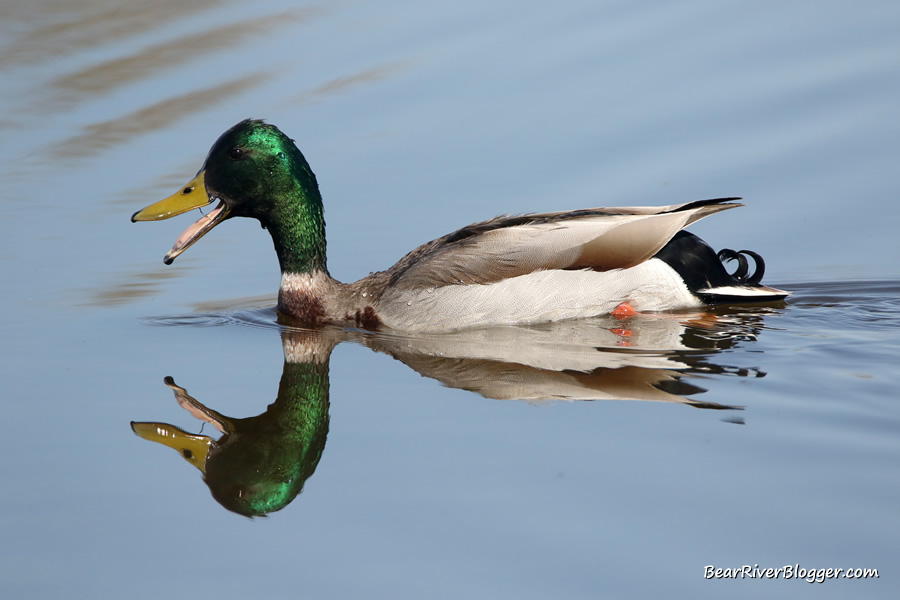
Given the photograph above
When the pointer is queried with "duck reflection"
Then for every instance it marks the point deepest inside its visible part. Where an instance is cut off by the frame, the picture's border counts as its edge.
(260, 464)
(655, 358)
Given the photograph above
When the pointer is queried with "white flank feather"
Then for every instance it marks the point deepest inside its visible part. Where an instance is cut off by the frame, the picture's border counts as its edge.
(538, 297)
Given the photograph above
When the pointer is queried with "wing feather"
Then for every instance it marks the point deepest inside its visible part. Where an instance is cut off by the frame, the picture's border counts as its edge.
(599, 239)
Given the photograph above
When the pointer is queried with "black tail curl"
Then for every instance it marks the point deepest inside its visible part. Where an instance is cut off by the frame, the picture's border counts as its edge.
(740, 274)
(702, 268)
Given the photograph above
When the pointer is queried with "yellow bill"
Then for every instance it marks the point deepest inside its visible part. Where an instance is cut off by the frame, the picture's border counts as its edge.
(191, 196)
(192, 448)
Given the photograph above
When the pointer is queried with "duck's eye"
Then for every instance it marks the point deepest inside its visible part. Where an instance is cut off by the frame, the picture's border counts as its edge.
(236, 153)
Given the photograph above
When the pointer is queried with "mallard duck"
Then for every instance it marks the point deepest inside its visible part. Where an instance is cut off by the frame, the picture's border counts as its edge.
(508, 270)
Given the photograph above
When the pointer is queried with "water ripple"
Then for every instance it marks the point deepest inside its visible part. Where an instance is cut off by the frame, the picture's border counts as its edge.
(866, 304)
(262, 318)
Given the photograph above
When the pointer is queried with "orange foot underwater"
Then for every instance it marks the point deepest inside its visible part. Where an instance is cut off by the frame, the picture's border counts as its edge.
(623, 310)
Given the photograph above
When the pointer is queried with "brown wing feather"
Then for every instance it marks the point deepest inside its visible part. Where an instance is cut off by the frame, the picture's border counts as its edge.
(503, 247)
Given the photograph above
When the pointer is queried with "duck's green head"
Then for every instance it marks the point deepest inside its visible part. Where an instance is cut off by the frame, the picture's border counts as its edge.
(253, 170)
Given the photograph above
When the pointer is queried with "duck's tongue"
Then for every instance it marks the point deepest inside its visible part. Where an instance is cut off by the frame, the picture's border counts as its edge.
(196, 231)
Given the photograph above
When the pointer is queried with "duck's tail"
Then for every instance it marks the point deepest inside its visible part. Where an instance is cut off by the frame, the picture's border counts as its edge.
(703, 271)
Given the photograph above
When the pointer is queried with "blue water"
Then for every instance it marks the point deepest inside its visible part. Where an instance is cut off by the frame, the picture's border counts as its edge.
(771, 436)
